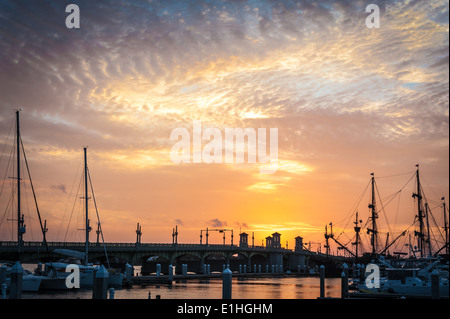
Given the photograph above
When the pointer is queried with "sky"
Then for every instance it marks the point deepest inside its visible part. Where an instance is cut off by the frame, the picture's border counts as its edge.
(347, 101)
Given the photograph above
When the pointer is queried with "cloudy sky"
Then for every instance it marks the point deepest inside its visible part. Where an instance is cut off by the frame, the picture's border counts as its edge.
(347, 101)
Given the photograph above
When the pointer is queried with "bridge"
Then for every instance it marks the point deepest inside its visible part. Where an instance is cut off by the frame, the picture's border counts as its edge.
(194, 255)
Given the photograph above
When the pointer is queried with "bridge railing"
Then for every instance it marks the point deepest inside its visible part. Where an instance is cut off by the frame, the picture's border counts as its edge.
(10, 245)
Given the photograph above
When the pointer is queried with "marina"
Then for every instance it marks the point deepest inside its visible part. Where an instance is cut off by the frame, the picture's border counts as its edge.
(102, 267)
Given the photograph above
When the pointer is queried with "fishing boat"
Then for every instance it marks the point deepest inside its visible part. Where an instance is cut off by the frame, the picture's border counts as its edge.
(409, 277)
(398, 275)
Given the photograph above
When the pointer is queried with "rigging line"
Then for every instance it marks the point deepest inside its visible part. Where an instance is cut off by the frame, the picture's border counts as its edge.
(34, 196)
(355, 206)
(69, 197)
(432, 216)
(11, 155)
(98, 218)
(73, 208)
(428, 185)
(401, 174)
(7, 138)
(392, 198)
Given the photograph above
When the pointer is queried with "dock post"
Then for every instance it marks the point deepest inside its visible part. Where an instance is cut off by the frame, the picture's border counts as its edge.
(208, 269)
(344, 281)
(111, 293)
(4, 288)
(254, 268)
(345, 269)
(435, 284)
(170, 273)
(362, 273)
(240, 269)
(158, 270)
(100, 287)
(2, 274)
(267, 269)
(226, 284)
(16, 281)
(259, 268)
(245, 269)
(128, 273)
(322, 281)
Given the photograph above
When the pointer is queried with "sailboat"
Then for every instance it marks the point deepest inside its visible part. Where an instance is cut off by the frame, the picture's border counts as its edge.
(87, 270)
(30, 282)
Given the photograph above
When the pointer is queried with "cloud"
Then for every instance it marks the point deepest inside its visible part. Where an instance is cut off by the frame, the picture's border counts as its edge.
(217, 223)
(60, 187)
(344, 98)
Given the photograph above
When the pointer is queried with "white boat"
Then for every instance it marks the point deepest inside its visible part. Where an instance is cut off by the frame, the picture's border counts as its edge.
(406, 282)
(410, 277)
(30, 282)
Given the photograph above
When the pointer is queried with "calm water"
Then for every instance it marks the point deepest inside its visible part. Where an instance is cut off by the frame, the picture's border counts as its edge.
(249, 288)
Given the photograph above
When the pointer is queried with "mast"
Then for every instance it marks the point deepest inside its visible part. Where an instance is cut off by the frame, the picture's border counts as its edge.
(86, 199)
(327, 246)
(357, 230)
(445, 225)
(373, 217)
(428, 229)
(20, 219)
(421, 233)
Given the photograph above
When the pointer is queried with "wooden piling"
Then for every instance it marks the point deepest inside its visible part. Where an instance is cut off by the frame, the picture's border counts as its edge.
(100, 287)
(344, 282)
(226, 284)
(170, 273)
(16, 281)
(322, 281)
(435, 293)
(112, 291)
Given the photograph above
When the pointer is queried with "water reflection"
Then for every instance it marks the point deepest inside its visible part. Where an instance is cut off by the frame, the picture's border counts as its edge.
(243, 288)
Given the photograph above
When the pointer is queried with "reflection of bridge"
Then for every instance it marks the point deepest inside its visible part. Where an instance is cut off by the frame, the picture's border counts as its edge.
(194, 255)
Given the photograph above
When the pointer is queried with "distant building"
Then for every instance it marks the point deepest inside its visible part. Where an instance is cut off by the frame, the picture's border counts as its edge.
(298, 243)
(273, 241)
(243, 240)
(269, 241)
(276, 243)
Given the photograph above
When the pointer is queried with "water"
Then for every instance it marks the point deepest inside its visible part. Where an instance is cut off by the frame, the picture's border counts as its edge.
(248, 288)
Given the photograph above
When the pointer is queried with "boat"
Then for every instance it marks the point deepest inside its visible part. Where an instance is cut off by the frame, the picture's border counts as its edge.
(60, 268)
(410, 277)
(30, 282)
(400, 275)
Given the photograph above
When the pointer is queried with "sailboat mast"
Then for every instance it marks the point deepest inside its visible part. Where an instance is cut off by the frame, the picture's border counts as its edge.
(372, 207)
(20, 228)
(445, 226)
(86, 199)
(357, 230)
(420, 234)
